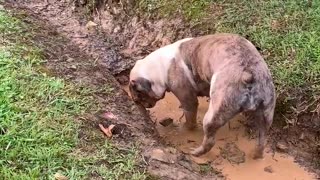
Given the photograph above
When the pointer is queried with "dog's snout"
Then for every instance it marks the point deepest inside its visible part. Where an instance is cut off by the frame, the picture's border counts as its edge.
(134, 99)
(147, 105)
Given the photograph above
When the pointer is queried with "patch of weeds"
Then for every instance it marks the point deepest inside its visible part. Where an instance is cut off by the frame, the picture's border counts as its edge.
(205, 169)
(39, 130)
(192, 10)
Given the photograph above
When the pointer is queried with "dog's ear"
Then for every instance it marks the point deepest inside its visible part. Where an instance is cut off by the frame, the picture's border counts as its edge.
(141, 84)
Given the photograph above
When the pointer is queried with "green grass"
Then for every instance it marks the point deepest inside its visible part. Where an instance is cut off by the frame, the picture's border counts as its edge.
(288, 32)
(38, 119)
(193, 10)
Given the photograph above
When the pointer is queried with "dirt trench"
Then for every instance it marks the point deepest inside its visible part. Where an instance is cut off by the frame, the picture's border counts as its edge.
(99, 50)
(78, 58)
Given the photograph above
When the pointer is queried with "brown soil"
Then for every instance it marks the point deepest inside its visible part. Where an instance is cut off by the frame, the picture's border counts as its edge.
(100, 53)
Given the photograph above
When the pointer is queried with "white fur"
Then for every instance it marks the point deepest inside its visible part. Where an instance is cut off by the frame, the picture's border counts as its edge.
(212, 83)
(210, 113)
(188, 73)
(155, 66)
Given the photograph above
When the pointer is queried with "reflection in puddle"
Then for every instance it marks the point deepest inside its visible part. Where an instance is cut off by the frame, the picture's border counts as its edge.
(228, 160)
(275, 166)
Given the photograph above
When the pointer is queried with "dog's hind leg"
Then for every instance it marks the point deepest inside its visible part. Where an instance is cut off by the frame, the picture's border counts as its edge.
(263, 118)
(224, 105)
(220, 111)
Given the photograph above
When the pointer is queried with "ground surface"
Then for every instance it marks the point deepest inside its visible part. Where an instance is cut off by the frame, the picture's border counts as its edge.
(84, 152)
(86, 55)
(45, 125)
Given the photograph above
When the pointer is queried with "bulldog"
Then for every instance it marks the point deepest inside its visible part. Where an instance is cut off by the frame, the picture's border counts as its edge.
(227, 68)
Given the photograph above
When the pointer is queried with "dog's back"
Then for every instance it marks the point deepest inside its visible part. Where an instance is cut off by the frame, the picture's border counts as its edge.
(237, 65)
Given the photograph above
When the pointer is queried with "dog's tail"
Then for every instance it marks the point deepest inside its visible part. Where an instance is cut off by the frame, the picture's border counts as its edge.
(251, 99)
(246, 77)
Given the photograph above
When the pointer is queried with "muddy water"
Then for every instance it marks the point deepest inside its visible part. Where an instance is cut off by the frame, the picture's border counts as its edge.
(274, 165)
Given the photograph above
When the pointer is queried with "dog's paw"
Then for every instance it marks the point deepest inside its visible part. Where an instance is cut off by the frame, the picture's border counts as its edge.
(190, 126)
(258, 154)
(197, 151)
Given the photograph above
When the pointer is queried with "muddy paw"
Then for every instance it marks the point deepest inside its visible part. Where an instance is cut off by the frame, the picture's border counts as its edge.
(258, 155)
(197, 151)
(190, 126)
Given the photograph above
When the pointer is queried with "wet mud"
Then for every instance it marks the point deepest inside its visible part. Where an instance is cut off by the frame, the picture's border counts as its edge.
(233, 151)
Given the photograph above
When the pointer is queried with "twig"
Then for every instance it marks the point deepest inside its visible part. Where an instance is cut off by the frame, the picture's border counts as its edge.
(317, 109)
(144, 160)
(288, 121)
(308, 106)
(80, 36)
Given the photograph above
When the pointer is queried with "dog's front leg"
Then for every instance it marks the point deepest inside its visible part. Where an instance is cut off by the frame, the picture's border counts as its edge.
(189, 104)
(191, 119)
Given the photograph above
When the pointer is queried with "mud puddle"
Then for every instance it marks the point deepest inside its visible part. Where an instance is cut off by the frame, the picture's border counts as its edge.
(233, 151)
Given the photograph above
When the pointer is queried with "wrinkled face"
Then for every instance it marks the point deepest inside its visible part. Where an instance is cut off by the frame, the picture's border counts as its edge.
(141, 92)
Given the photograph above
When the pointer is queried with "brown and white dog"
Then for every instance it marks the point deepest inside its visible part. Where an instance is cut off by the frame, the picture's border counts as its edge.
(225, 67)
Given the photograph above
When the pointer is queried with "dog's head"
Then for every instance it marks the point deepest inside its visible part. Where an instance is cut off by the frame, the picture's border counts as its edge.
(142, 93)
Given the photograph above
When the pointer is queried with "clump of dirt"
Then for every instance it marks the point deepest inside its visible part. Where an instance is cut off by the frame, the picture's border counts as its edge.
(269, 169)
(166, 121)
(232, 153)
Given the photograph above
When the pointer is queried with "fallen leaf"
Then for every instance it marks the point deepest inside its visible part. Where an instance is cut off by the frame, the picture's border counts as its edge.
(106, 131)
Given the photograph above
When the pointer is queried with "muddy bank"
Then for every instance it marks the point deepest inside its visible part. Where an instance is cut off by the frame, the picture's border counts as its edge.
(112, 36)
(68, 59)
